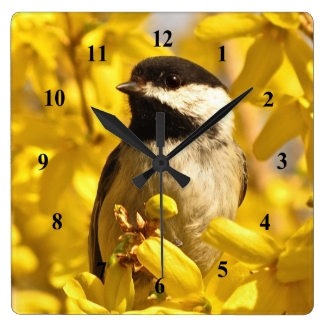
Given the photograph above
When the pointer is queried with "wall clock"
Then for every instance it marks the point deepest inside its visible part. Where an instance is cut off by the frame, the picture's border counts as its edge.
(62, 64)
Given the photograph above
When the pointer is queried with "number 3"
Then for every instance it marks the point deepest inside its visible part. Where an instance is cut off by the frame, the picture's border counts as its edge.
(282, 160)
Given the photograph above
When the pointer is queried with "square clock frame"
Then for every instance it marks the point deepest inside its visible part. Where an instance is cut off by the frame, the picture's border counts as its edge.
(226, 227)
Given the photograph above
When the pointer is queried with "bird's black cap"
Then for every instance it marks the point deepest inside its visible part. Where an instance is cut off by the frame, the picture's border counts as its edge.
(150, 77)
(156, 68)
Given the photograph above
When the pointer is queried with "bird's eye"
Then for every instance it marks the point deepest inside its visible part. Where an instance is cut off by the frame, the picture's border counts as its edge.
(173, 81)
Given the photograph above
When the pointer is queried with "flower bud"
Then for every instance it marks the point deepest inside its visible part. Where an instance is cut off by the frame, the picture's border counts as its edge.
(152, 207)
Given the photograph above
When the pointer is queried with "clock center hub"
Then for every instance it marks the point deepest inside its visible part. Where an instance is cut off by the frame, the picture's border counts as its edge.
(160, 163)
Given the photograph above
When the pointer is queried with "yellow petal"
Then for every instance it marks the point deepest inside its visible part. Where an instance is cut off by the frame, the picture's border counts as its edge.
(303, 237)
(73, 129)
(105, 78)
(202, 53)
(198, 303)
(300, 55)
(118, 287)
(295, 265)
(23, 261)
(55, 178)
(43, 78)
(34, 302)
(142, 47)
(18, 66)
(95, 38)
(260, 293)
(307, 111)
(15, 235)
(308, 138)
(284, 124)
(152, 208)
(164, 308)
(266, 53)
(182, 276)
(90, 308)
(31, 130)
(300, 297)
(231, 25)
(219, 289)
(287, 20)
(125, 296)
(85, 183)
(65, 261)
(123, 22)
(72, 308)
(284, 92)
(74, 290)
(247, 246)
(92, 287)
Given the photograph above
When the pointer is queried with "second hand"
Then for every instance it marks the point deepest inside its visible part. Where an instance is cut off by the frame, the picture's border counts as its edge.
(160, 141)
(161, 222)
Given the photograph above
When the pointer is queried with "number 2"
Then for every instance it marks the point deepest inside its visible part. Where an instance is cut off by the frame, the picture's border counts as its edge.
(267, 104)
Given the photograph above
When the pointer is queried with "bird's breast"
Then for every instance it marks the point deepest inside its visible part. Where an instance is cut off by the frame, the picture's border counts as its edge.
(212, 192)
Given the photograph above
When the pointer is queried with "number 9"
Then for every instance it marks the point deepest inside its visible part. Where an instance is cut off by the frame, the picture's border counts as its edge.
(40, 160)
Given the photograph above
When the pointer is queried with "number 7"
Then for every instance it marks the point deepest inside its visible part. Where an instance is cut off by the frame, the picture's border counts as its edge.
(102, 264)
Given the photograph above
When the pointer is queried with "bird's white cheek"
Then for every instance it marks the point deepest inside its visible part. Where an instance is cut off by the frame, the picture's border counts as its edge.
(198, 101)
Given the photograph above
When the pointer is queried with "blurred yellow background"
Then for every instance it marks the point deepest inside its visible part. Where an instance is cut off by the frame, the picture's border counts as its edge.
(272, 52)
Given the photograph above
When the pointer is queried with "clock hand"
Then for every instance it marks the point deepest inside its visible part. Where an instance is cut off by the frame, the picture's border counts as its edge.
(208, 124)
(161, 223)
(142, 179)
(180, 178)
(115, 126)
(160, 141)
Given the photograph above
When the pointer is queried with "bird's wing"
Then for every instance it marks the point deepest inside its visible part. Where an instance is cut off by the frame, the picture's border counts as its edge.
(243, 177)
(105, 182)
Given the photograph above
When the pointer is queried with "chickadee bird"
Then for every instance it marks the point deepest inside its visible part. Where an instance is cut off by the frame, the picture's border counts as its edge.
(188, 95)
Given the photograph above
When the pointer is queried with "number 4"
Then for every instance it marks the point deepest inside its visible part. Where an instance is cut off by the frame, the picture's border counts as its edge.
(266, 224)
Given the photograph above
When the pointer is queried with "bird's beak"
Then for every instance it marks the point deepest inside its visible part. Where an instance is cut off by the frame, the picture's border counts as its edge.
(130, 88)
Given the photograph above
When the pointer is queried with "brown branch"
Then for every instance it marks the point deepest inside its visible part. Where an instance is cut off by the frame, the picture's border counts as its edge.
(74, 42)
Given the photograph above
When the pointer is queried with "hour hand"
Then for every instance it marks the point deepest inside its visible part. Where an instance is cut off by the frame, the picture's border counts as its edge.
(180, 178)
(115, 126)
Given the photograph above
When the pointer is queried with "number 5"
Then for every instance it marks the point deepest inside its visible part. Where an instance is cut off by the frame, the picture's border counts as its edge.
(222, 268)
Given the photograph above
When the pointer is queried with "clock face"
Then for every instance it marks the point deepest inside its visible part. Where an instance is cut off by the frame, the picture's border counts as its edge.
(62, 64)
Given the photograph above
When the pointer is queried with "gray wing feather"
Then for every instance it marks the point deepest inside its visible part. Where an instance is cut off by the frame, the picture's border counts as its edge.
(105, 182)
(244, 176)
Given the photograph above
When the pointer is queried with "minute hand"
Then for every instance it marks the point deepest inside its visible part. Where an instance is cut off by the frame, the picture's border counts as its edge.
(115, 126)
(208, 124)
